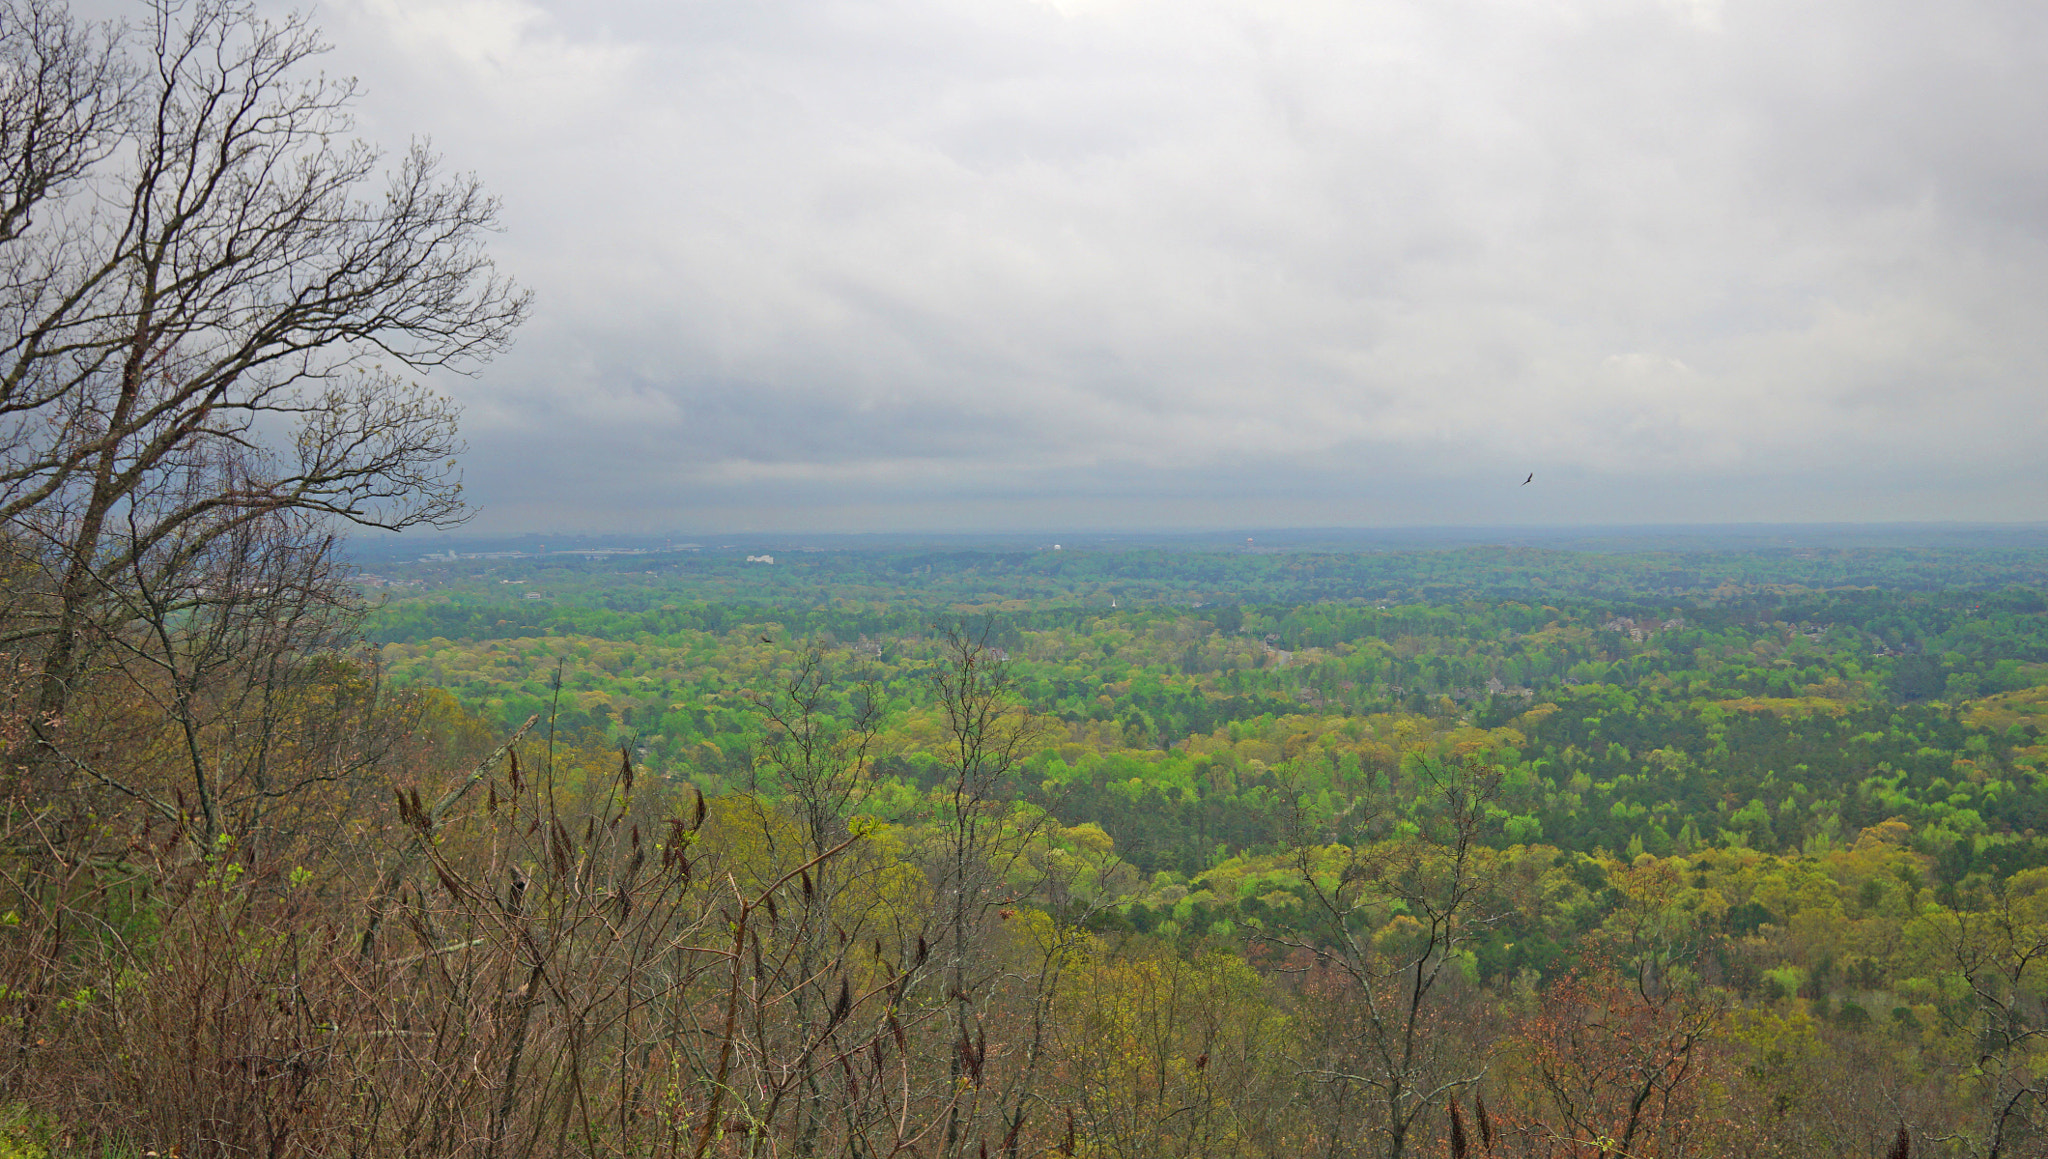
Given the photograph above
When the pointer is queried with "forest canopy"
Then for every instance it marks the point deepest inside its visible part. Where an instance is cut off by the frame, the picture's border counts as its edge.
(1121, 852)
(1818, 792)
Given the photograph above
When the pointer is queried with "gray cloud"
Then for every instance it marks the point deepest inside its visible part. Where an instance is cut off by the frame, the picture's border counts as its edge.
(1008, 263)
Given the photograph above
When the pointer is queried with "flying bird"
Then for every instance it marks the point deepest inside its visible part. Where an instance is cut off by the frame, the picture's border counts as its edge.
(1530, 479)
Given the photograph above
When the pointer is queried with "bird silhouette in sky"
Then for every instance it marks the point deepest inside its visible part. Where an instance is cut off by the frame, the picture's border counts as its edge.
(1530, 479)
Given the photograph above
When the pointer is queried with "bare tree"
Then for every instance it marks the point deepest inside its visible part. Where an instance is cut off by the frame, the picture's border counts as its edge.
(1392, 902)
(816, 751)
(980, 837)
(245, 698)
(1995, 949)
(819, 737)
(63, 95)
(206, 310)
(1619, 1057)
(209, 299)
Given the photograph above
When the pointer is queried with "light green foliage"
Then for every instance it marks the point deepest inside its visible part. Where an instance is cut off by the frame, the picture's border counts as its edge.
(1811, 789)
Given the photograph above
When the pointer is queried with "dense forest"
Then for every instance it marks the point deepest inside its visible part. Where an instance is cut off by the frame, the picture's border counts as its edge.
(1780, 718)
(1160, 852)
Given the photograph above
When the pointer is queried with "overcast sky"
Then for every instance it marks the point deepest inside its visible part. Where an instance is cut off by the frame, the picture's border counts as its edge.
(1033, 264)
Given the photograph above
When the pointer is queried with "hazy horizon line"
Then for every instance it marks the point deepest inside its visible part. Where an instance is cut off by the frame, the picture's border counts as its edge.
(1216, 530)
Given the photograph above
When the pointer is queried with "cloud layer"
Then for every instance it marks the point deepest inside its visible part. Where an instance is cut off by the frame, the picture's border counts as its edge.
(884, 264)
